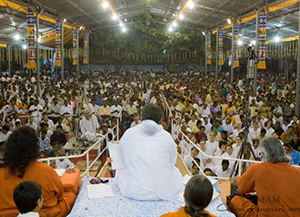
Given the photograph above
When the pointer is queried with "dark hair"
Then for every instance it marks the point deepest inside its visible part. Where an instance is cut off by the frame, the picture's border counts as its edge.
(42, 124)
(44, 132)
(224, 132)
(197, 160)
(291, 127)
(59, 126)
(263, 130)
(152, 112)
(207, 169)
(21, 149)
(26, 195)
(198, 194)
(225, 162)
(222, 143)
(5, 127)
(241, 133)
(198, 122)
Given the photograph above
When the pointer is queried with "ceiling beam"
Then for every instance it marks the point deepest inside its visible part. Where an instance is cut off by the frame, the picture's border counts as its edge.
(82, 11)
(214, 10)
(141, 18)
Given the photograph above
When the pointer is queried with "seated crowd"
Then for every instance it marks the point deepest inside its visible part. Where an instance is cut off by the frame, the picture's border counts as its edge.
(207, 115)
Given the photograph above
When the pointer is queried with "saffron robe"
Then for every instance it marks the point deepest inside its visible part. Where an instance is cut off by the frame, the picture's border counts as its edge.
(57, 203)
(277, 187)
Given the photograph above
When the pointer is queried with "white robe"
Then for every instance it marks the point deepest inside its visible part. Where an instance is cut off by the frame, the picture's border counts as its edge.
(88, 128)
(147, 158)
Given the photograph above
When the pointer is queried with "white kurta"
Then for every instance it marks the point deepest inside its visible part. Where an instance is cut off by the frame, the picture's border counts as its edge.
(147, 158)
(88, 128)
(65, 163)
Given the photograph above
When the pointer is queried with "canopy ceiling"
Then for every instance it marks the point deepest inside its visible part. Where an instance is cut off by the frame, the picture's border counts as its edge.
(207, 14)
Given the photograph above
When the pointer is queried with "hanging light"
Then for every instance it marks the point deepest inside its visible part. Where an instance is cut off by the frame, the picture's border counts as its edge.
(17, 36)
(228, 21)
(277, 39)
(174, 24)
(24, 46)
(65, 20)
(191, 4)
(124, 29)
(105, 5)
(203, 33)
(240, 42)
(114, 17)
(170, 29)
(181, 16)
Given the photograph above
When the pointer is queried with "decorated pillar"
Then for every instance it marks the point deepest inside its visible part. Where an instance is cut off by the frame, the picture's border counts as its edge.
(236, 45)
(58, 44)
(31, 64)
(75, 46)
(262, 39)
(85, 48)
(221, 52)
(208, 44)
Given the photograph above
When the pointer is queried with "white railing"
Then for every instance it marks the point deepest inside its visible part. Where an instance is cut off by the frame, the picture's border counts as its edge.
(168, 111)
(86, 153)
(214, 157)
(219, 157)
(239, 161)
(98, 143)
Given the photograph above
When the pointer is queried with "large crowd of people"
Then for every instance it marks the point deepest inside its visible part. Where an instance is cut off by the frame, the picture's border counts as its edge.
(202, 113)
(208, 111)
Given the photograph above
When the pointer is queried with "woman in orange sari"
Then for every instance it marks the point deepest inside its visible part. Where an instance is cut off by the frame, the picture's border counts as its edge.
(19, 164)
(197, 195)
(231, 111)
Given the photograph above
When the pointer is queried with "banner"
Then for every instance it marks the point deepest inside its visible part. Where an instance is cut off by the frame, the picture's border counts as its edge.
(31, 40)
(221, 54)
(262, 39)
(85, 48)
(236, 45)
(58, 43)
(208, 44)
(75, 46)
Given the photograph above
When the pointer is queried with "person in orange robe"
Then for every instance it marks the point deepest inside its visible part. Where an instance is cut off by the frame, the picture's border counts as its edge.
(19, 164)
(231, 111)
(197, 194)
(275, 182)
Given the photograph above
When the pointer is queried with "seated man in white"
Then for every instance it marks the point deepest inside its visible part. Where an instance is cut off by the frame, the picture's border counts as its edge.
(89, 127)
(147, 158)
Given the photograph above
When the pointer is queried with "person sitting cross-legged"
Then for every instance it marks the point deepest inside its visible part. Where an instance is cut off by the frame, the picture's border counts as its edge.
(147, 158)
(89, 127)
